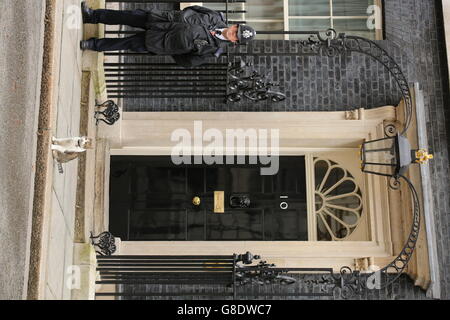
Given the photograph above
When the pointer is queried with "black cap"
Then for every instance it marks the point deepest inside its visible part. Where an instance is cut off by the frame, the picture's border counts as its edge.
(245, 33)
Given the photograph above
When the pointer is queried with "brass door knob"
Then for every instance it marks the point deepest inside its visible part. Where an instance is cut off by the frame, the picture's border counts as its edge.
(196, 201)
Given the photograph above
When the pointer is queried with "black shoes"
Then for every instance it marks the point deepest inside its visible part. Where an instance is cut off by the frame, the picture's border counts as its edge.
(88, 17)
(88, 44)
(87, 13)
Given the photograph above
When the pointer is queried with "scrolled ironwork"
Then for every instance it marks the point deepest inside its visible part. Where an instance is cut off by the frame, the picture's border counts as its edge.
(344, 284)
(390, 130)
(254, 87)
(394, 183)
(391, 272)
(333, 44)
(104, 243)
(329, 45)
(347, 282)
(387, 275)
(109, 115)
(261, 274)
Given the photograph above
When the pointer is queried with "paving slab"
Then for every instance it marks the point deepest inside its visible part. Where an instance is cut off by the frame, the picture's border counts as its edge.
(56, 250)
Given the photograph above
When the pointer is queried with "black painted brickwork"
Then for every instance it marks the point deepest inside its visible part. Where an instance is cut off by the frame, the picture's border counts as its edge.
(415, 38)
(402, 289)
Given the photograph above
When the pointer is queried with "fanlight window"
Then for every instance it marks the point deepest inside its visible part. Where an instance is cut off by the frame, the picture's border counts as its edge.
(338, 201)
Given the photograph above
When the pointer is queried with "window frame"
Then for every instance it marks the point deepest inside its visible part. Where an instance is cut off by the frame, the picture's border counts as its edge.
(286, 19)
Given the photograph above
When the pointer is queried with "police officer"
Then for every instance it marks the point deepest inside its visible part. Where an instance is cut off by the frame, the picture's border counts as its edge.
(190, 36)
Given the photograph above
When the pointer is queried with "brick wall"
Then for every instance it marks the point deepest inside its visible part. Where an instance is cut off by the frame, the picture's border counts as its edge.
(402, 289)
(311, 83)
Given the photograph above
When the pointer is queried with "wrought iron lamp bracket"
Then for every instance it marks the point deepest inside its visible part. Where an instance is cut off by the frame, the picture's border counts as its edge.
(332, 44)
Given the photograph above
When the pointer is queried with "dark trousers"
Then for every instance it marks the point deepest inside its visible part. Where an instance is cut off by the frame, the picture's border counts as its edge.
(135, 18)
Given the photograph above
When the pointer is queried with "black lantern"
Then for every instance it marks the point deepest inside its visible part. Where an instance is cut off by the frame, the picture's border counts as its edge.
(390, 156)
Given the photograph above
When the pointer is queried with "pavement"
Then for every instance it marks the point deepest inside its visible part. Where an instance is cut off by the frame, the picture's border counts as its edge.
(72, 100)
(67, 269)
(20, 65)
(67, 91)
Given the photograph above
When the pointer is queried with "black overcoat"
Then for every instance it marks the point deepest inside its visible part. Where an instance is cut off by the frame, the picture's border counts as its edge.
(194, 15)
(185, 34)
(189, 44)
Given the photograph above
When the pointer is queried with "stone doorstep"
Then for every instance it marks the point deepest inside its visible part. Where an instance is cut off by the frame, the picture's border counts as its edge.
(101, 189)
(85, 274)
(93, 91)
(84, 254)
(92, 195)
(86, 163)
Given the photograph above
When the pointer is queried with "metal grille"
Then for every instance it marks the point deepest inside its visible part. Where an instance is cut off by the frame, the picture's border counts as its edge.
(221, 276)
(143, 276)
(233, 277)
(140, 76)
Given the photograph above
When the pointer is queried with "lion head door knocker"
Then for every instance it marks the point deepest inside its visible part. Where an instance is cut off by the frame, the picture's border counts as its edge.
(240, 201)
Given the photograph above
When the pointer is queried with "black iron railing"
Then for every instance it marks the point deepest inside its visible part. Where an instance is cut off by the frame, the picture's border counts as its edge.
(221, 276)
(143, 276)
(165, 80)
(141, 76)
(235, 276)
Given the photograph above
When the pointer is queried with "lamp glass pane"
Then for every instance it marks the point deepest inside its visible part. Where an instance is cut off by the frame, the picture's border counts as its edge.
(380, 156)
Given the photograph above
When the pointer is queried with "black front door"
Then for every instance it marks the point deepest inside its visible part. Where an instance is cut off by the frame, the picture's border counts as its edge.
(153, 199)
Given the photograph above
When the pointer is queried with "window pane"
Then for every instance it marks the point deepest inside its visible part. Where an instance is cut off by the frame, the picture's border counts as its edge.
(355, 27)
(351, 7)
(338, 201)
(309, 24)
(309, 7)
(264, 9)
